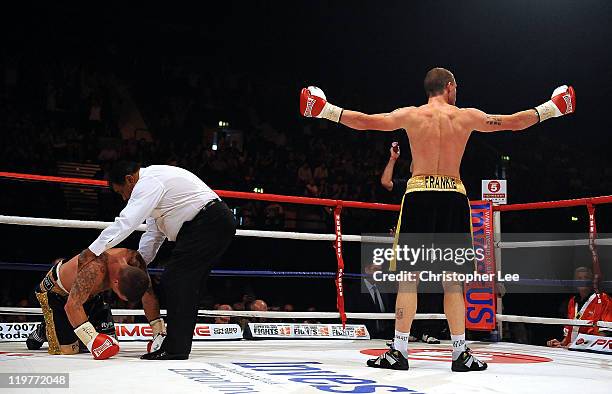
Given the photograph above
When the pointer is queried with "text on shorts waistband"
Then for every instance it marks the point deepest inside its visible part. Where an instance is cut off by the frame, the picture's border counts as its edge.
(439, 183)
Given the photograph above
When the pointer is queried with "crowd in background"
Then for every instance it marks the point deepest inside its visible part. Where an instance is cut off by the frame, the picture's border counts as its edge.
(65, 111)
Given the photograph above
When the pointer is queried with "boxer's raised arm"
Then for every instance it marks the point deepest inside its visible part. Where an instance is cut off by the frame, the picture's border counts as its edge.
(562, 102)
(313, 103)
(480, 121)
(383, 122)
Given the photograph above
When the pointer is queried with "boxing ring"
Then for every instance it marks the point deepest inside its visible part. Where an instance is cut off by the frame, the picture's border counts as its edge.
(318, 365)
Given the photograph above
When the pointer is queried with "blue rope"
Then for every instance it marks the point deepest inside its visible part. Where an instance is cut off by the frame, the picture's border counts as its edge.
(310, 274)
(222, 273)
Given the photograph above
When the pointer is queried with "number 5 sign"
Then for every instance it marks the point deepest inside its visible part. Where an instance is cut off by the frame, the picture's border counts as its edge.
(495, 190)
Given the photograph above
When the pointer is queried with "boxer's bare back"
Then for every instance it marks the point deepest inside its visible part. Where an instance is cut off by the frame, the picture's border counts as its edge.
(437, 138)
(439, 131)
(69, 268)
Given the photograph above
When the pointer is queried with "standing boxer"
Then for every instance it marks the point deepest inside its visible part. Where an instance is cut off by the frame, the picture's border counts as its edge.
(435, 200)
(422, 329)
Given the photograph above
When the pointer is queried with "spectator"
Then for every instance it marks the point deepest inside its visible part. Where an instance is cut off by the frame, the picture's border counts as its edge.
(223, 319)
(585, 305)
(259, 306)
(366, 296)
(311, 320)
(305, 174)
(320, 173)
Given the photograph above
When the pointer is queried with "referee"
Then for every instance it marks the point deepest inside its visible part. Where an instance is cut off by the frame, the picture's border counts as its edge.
(177, 205)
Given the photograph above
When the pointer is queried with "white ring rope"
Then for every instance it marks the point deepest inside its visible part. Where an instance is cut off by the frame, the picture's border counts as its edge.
(47, 222)
(330, 315)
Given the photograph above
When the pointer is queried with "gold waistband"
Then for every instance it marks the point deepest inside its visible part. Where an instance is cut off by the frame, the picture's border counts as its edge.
(438, 183)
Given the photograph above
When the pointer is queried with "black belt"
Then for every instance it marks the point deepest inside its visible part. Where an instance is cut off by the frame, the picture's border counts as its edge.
(200, 214)
(210, 204)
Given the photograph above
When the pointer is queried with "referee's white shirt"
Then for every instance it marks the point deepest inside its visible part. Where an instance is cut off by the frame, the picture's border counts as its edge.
(165, 197)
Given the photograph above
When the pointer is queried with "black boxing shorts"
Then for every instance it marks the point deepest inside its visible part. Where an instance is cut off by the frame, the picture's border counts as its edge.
(59, 332)
(435, 211)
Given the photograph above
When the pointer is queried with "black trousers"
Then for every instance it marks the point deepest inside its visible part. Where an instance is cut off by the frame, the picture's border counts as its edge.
(199, 244)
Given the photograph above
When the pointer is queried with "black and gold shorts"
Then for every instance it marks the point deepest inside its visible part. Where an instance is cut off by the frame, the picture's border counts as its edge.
(60, 333)
(435, 211)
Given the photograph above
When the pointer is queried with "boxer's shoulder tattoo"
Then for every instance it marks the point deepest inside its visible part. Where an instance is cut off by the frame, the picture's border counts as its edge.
(89, 278)
(494, 120)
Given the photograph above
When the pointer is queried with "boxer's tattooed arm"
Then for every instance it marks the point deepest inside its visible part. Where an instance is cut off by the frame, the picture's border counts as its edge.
(85, 257)
(494, 120)
(89, 279)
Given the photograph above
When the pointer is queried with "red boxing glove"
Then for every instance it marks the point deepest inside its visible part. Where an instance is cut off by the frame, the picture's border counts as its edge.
(313, 103)
(101, 346)
(562, 102)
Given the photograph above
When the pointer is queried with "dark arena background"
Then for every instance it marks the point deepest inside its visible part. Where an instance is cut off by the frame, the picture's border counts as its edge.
(214, 87)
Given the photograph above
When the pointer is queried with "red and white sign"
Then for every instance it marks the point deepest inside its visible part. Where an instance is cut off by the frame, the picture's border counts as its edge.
(592, 343)
(18, 332)
(143, 332)
(307, 331)
(495, 190)
(446, 355)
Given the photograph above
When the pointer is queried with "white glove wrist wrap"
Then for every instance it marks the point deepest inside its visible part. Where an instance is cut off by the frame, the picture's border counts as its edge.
(547, 110)
(331, 112)
(158, 326)
(86, 333)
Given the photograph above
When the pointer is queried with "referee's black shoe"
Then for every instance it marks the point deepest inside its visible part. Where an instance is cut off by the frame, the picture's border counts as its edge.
(161, 354)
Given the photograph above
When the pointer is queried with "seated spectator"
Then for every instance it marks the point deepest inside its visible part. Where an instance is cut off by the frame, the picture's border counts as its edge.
(312, 320)
(586, 305)
(274, 217)
(260, 306)
(223, 319)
